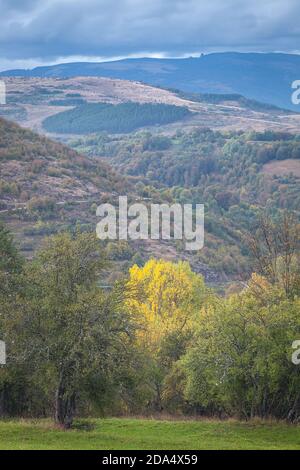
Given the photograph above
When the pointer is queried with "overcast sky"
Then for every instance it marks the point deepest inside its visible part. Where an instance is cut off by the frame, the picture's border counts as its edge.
(33, 32)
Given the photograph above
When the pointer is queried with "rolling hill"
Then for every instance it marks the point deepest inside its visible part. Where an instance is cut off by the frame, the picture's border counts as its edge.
(36, 167)
(46, 187)
(76, 105)
(225, 73)
(238, 176)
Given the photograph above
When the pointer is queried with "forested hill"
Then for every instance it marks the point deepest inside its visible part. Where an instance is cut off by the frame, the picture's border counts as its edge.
(238, 176)
(47, 188)
(121, 118)
(244, 73)
(36, 171)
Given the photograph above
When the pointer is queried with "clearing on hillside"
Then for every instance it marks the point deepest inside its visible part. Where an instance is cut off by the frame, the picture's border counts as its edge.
(282, 167)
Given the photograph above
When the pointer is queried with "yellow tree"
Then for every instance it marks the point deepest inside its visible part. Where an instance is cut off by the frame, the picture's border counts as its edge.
(165, 298)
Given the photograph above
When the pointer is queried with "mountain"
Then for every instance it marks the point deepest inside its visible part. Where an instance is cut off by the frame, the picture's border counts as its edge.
(82, 105)
(266, 77)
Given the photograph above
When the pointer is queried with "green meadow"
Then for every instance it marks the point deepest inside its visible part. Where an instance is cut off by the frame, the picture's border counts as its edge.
(148, 434)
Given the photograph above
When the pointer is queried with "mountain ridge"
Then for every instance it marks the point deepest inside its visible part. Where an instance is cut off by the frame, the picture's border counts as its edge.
(247, 74)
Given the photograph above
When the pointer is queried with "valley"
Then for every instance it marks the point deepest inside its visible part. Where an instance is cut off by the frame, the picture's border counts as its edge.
(149, 227)
(235, 155)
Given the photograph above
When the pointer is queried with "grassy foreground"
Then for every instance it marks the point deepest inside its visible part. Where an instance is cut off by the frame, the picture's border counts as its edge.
(123, 434)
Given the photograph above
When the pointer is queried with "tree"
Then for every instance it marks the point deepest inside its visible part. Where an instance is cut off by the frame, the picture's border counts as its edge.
(11, 264)
(70, 328)
(240, 363)
(275, 247)
(165, 299)
(168, 297)
(10, 260)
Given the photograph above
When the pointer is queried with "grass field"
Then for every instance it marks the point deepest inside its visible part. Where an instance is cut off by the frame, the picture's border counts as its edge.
(141, 434)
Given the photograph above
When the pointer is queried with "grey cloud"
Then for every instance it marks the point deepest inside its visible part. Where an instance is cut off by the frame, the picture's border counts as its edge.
(57, 28)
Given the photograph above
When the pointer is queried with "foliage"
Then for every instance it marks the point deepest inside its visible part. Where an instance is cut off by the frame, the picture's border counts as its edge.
(64, 327)
(160, 340)
(167, 298)
(223, 170)
(121, 118)
(241, 361)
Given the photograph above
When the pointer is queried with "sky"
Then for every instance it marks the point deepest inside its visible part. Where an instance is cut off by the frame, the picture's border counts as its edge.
(35, 32)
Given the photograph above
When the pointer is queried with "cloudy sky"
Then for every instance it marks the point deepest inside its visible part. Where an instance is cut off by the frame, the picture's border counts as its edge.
(34, 32)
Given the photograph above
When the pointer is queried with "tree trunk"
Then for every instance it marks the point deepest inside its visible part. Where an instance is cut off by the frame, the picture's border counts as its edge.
(2, 403)
(65, 405)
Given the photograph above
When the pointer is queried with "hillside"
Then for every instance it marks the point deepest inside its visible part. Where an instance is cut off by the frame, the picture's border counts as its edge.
(116, 119)
(34, 166)
(46, 187)
(243, 73)
(76, 105)
(236, 175)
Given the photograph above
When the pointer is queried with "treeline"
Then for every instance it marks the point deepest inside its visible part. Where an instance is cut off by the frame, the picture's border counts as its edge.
(121, 118)
(223, 170)
(278, 151)
(173, 161)
(223, 98)
(68, 102)
(160, 340)
(186, 159)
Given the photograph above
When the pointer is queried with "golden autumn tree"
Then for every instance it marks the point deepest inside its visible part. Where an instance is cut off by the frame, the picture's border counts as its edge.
(166, 297)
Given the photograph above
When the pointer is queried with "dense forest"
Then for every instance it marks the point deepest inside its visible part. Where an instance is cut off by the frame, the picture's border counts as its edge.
(46, 187)
(223, 170)
(120, 118)
(159, 340)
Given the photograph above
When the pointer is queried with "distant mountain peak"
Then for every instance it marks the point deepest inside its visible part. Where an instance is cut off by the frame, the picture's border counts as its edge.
(265, 77)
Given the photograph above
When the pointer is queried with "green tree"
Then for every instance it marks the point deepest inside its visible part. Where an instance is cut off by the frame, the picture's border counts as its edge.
(241, 361)
(66, 328)
(10, 260)
(275, 248)
(10, 284)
